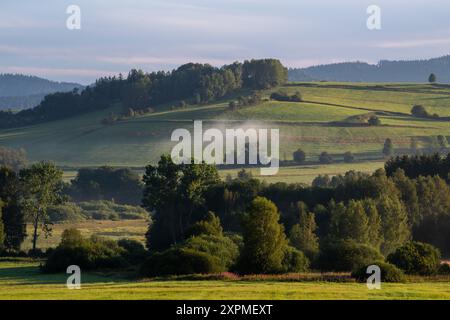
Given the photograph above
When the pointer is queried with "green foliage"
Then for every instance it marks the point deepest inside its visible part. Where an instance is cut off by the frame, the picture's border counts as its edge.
(209, 226)
(388, 148)
(134, 252)
(284, 96)
(295, 261)
(299, 156)
(322, 181)
(176, 194)
(444, 269)
(42, 187)
(346, 255)
(180, 261)
(389, 273)
(302, 235)
(107, 210)
(15, 159)
(264, 74)
(349, 157)
(105, 183)
(264, 238)
(394, 223)
(220, 247)
(432, 78)
(325, 158)
(65, 212)
(374, 121)
(2, 229)
(88, 254)
(200, 83)
(442, 141)
(13, 215)
(420, 112)
(416, 258)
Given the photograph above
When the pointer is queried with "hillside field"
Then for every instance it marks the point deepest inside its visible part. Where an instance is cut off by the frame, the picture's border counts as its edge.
(327, 120)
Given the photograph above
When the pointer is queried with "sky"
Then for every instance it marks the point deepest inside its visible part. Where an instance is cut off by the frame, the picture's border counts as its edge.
(117, 35)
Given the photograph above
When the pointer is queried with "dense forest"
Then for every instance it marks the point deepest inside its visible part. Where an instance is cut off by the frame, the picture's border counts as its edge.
(201, 224)
(195, 83)
(384, 71)
(21, 92)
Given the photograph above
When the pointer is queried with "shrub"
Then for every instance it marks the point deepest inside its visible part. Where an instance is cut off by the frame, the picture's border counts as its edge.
(210, 226)
(444, 269)
(222, 248)
(295, 261)
(347, 255)
(419, 111)
(374, 121)
(349, 157)
(284, 96)
(88, 254)
(416, 258)
(389, 273)
(65, 212)
(299, 156)
(134, 252)
(325, 158)
(180, 261)
(108, 210)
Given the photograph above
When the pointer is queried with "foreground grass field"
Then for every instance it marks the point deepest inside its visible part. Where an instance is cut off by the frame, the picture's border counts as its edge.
(23, 280)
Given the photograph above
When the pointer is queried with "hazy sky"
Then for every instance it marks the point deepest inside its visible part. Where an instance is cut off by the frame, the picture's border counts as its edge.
(117, 35)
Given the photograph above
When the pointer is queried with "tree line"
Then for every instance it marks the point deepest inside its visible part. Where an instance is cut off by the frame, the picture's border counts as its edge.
(202, 224)
(196, 83)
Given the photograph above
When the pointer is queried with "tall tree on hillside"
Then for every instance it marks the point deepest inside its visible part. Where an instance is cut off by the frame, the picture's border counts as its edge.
(388, 148)
(432, 78)
(42, 187)
(299, 156)
(265, 242)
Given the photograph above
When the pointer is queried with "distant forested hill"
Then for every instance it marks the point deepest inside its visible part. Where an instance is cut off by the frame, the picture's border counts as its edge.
(384, 71)
(22, 92)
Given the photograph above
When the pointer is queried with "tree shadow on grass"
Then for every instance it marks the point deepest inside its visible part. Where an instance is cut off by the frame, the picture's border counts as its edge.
(25, 275)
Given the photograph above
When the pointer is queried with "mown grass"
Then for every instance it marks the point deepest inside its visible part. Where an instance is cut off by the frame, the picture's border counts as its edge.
(23, 280)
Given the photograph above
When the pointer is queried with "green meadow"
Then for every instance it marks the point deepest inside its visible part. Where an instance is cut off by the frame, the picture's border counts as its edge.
(23, 280)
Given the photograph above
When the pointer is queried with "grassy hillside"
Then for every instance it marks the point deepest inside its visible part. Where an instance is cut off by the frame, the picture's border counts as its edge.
(327, 120)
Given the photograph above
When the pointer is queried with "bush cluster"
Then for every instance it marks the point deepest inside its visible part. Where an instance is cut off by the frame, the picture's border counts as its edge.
(389, 273)
(93, 253)
(416, 258)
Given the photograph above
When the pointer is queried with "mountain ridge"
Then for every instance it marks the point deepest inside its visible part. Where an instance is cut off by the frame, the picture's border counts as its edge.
(19, 91)
(416, 71)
